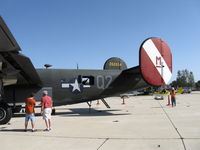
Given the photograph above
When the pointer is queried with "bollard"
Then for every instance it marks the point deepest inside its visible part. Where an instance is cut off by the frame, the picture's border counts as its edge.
(168, 101)
(123, 100)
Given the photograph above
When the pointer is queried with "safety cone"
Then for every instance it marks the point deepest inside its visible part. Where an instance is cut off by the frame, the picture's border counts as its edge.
(168, 101)
(98, 102)
(123, 100)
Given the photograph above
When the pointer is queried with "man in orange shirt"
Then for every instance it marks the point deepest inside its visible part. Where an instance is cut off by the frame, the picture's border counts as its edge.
(30, 112)
(173, 97)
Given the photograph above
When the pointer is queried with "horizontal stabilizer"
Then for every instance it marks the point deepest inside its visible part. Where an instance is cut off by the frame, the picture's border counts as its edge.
(128, 80)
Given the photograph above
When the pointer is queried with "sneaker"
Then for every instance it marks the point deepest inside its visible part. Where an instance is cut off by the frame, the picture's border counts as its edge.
(33, 130)
(46, 130)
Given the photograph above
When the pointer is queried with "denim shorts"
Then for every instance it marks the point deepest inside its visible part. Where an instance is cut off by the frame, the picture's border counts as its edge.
(30, 117)
(173, 99)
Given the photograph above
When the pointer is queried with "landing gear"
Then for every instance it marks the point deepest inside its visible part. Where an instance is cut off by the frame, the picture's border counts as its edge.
(103, 100)
(16, 109)
(105, 103)
(5, 114)
(5, 110)
(90, 105)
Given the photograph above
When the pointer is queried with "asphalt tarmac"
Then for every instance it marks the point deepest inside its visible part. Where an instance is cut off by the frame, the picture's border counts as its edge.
(142, 123)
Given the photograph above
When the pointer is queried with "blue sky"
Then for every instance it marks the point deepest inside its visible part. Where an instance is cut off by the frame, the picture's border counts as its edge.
(88, 32)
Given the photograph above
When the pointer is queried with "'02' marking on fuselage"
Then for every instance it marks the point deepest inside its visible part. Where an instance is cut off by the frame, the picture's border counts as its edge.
(103, 81)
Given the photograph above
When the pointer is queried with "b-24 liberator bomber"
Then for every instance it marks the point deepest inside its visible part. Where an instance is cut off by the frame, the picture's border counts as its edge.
(19, 78)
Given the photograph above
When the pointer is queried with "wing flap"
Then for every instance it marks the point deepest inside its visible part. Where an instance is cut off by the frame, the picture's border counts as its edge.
(27, 70)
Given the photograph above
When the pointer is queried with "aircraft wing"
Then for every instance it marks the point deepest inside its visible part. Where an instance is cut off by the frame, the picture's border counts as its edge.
(15, 68)
(7, 41)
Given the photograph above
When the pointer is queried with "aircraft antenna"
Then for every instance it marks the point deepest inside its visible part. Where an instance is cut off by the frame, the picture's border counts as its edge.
(77, 67)
(47, 66)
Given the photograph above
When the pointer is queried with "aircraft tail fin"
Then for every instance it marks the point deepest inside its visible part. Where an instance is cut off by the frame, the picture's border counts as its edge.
(155, 69)
(155, 62)
(115, 63)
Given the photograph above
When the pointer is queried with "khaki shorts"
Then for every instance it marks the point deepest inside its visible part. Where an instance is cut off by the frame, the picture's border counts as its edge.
(47, 113)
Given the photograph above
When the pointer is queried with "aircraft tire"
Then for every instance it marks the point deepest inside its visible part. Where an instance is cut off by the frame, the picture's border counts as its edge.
(5, 114)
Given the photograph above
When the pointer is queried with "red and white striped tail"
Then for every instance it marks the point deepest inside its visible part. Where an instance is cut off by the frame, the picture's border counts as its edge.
(155, 62)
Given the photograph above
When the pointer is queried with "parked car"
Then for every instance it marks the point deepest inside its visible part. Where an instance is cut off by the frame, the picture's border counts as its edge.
(187, 90)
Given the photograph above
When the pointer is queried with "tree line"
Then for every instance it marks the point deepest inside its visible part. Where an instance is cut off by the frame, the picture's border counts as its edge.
(185, 78)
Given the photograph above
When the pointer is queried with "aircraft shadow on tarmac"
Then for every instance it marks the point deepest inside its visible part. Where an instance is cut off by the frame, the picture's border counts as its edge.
(78, 112)
(91, 112)
(11, 130)
(72, 112)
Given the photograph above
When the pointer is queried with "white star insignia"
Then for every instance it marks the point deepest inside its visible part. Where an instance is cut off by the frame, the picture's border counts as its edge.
(75, 86)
